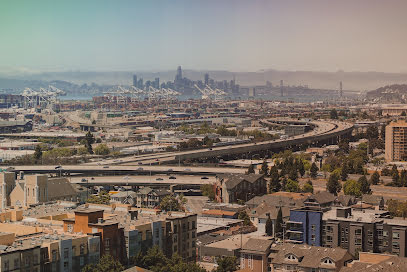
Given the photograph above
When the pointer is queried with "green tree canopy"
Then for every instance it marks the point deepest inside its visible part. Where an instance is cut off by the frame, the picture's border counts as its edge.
(314, 170)
(226, 264)
(352, 187)
(102, 149)
(269, 227)
(106, 264)
(292, 186)
(375, 178)
(364, 185)
(333, 185)
(89, 140)
(245, 217)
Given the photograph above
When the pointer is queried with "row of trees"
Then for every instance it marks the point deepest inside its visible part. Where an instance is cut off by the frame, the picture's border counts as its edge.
(156, 261)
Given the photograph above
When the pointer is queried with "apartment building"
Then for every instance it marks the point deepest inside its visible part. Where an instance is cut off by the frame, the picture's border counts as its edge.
(91, 221)
(396, 141)
(289, 257)
(254, 255)
(233, 187)
(352, 229)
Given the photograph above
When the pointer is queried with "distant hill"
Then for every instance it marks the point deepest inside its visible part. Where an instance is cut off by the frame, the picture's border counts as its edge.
(389, 94)
(354, 81)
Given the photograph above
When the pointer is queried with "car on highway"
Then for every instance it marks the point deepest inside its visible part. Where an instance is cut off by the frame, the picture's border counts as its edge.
(204, 178)
(159, 179)
(187, 169)
(140, 163)
(140, 169)
(106, 166)
(170, 170)
(84, 180)
(58, 167)
(172, 177)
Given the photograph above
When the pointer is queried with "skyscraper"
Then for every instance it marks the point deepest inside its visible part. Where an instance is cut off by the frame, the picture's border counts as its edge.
(178, 77)
(135, 80)
(157, 83)
(282, 87)
(340, 89)
(206, 79)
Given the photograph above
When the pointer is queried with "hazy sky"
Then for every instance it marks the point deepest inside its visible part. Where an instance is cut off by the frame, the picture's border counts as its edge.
(248, 35)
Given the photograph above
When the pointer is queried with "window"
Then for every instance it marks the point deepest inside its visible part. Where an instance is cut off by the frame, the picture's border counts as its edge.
(27, 261)
(291, 257)
(16, 263)
(396, 235)
(329, 239)
(313, 237)
(396, 246)
(358, 242)
(193, 225)
(250, 261)
(313, 227)
(54, 255)
(107, 242)
(6, 265)
(70, 228)
(66, 266)
(358, 231)
(82, 249)
(328, 261)
(385, 233)
(66, 253)
(242, 263)
(74, 250)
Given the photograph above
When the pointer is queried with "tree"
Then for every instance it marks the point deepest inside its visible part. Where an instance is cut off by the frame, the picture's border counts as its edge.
(333, 185)
(301, 168)
(308, 188)
(82, 150)
(251, 169)
(275, 185)
(102, 149)
(207, 190)
(269, 226)
(38, 153)
(403, 178)
(395, 175)
(386, 172)
(107, 264)
(102, 198)
(364, 185)
(344, 172)
(352, 187)
(333, 114)
(245, 217)
(226, 264)
(344, 146)
(264, 168)
(279, 222)
(89, 140)
(375, 178)
(292, 186)
(293, 174)
(314, 170)
(170, 203)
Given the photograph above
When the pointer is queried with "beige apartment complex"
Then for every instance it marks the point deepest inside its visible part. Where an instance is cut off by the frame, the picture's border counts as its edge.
(396, 141)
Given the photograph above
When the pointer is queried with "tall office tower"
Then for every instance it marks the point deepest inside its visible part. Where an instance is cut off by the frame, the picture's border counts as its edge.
(178, 77)
(157, 82)
(282, 87)
(206, 79)
(340, 89)
(140, 84)
(396, 141)
(135, 80)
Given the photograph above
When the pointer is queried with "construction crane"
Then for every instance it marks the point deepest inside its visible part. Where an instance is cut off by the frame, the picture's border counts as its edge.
(43, 98)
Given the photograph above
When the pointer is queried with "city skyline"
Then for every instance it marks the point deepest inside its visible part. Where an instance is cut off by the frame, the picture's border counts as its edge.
(203, 35)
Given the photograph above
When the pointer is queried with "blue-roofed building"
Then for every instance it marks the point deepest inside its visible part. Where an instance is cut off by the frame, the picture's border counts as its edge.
(305, 226)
